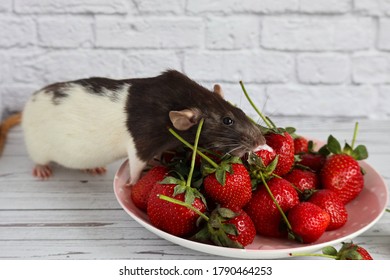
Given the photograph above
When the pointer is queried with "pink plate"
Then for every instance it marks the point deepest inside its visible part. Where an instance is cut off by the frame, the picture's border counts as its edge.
(364, 212)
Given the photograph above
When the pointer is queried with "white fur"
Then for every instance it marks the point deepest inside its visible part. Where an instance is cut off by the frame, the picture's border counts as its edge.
(83, 131)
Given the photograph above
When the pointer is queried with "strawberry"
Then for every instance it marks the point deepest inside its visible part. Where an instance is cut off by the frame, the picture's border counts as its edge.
(246, 231)
(263, 211)
(283, 145)
(140, 191)
(303, 180)
(314, 161)
(266, 155)
(235, 192)
(342, 174)
(341, 171)
(331, 203)
(308, 221)
(228, 228)
(349, 251)
(300, 145)
(172, 218)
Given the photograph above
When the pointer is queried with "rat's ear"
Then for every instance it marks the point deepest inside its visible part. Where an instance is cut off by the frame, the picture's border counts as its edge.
(218, 90)
(184, 119)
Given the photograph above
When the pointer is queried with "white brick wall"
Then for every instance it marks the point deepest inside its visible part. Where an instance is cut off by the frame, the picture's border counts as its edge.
(296, 57)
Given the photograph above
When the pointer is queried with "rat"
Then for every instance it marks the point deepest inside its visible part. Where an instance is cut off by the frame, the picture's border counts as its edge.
(89, 123)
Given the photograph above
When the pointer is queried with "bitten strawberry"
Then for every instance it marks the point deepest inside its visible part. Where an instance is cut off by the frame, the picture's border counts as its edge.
(141, 190)
(263, 211)
(330, 202)
(283, 145)
(308, 221)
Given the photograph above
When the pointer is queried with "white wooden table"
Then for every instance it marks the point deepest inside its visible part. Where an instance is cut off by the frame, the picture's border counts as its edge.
(75, 215)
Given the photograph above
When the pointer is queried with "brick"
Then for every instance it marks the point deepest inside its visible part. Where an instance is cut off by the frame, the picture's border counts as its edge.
(149, 64)
(372, 7)
(71, 6)
(44, 68)
(152, 33)
(242, 6)
(5, 6)
(158, 6)
(232, 32)
(384, 101)
(325, 6)
(323, 68)
(264, 67)
(17, 32)
(65, 32)
(371, 68)
(4, 68)
(16, 95)
(384, 34)
(317, 33)
(325, 101)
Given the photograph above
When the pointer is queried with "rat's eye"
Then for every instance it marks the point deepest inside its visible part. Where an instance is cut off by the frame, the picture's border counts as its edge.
(227, 121)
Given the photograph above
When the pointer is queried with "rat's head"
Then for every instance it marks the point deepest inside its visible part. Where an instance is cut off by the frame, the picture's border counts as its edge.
(226, 128)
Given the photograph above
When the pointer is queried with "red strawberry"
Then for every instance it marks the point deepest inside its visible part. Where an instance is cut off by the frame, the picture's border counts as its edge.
(263, 211)
(300, 145)
(283, 145)
(140, 190)
(246, 231)
(330, 202)
(341, 173)
(302, 179)
(312, 160)
(172, 218)
(352, 251)
(237, 190)
(308, 221)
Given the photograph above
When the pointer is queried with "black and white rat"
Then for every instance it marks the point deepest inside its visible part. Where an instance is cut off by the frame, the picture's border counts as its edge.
(89, 123)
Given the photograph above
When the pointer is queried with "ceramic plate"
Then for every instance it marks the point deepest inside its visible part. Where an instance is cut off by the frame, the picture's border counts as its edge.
(364, 212)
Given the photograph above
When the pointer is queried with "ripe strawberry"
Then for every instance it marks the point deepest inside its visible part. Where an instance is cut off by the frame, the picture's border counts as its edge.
(263, 211)
(237, 190)
(313, 161)
(308, 221)
(140, 191)
(246, 231)
(300, 145)
(349, 251)
(354, 252)
(330, 202)
(283, 145)
(169, 217)
(302, 179)
(341, 173)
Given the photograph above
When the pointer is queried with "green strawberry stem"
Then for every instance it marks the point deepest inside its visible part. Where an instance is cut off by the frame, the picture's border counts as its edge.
(182, 203)
(276, 203)
(264, 118)
(195, 149)
(215, 165)
(355, 131)
(313, 255)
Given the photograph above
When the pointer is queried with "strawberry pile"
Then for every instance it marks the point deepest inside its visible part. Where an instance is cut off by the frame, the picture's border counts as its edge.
(290, 190)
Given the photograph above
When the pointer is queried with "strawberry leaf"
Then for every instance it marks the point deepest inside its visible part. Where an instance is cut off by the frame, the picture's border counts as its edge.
(229, 229)
(171, 180)
(226, 213)
(329, 250)
(220, 175)
(333, 145)
(360, 152)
